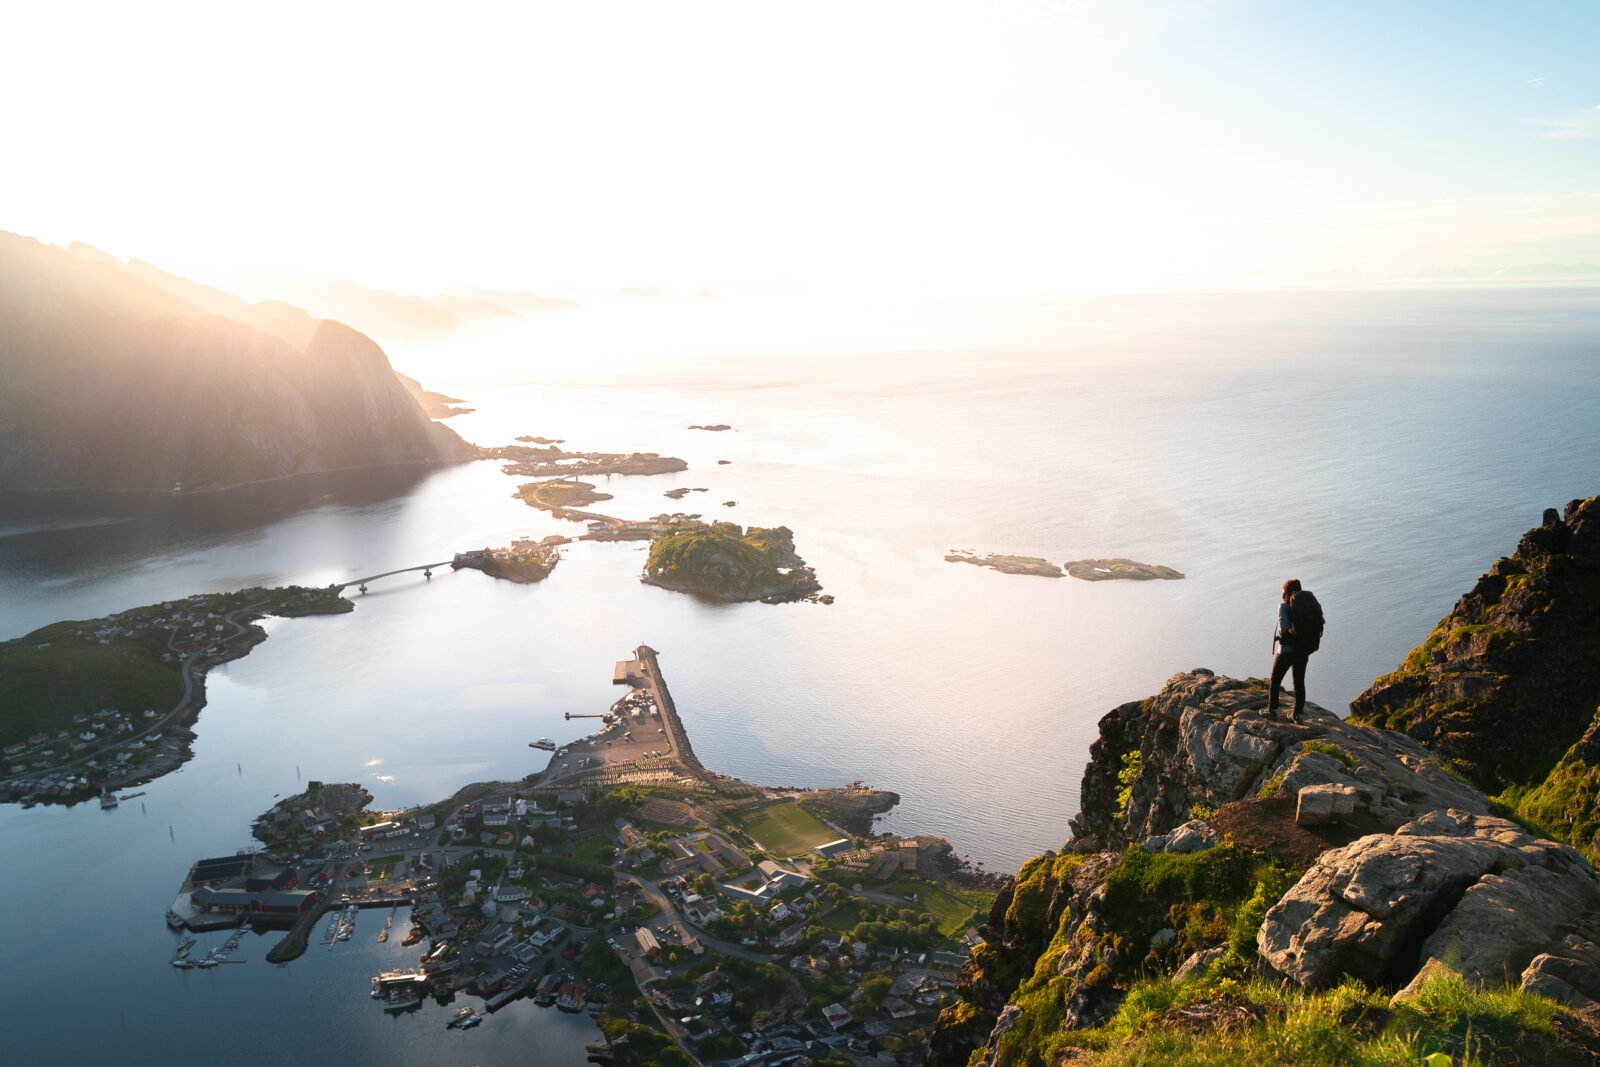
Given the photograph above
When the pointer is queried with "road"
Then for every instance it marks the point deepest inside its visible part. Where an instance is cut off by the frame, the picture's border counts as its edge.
(186, 669)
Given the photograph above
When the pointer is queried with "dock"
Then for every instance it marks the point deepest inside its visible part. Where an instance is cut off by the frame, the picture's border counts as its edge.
(645, 672)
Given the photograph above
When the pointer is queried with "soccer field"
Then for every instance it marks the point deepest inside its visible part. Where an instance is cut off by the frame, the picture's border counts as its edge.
(785, 829)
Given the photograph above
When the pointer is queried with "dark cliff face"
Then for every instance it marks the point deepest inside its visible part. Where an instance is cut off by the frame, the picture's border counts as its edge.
(108, 382)
(1510, 679)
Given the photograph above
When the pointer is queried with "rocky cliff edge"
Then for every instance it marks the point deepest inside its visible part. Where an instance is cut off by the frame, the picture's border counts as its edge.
(1214, 835)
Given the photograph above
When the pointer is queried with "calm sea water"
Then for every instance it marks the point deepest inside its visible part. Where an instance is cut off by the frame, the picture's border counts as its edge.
(1384, 449)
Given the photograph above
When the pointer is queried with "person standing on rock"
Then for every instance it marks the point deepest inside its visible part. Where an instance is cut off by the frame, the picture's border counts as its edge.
(1299, 634)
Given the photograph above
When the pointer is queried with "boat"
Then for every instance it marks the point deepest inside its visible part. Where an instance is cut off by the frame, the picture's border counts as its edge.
(469, 1022)
(464, 1019)
(402, 998)
(544, 743)
(108, 799)
(174, 920)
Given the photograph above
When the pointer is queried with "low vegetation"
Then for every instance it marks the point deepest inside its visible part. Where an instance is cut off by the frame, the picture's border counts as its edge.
(1225, 1019)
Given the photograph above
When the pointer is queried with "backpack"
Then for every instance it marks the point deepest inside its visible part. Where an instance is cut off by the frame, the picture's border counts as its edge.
(1305, 622)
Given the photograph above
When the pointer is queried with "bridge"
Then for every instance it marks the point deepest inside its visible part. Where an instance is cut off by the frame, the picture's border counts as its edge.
(425, 568)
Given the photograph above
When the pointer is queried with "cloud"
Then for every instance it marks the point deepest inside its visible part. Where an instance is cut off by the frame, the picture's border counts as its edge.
(1535, 83)
(1577, 126)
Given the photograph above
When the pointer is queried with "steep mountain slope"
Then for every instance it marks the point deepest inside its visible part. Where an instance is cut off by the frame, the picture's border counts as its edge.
(108, 381)
(1508, 685)
(1509, 682)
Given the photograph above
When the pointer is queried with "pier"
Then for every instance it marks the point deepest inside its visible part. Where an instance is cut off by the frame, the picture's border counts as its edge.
(648, 676)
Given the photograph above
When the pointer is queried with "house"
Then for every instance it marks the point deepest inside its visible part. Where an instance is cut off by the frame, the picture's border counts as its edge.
(837, 1016)
(832, 848)
(648, 945)
(791, 935)
(897, 1008)
(212, 872)
(260, 881)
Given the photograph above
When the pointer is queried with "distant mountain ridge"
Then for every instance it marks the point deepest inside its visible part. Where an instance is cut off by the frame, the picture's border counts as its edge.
(118, 376)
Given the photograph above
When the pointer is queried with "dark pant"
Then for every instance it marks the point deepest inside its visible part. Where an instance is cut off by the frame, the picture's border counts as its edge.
(1282, 664)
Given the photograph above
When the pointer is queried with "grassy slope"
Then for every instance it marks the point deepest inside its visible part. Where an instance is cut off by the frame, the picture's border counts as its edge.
(52, 674)
(1219, 1019)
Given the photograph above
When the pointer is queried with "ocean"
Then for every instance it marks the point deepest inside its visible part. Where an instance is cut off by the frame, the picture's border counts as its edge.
(1383, 448)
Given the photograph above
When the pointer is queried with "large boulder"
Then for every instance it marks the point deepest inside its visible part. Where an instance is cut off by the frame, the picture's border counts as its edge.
(1466, 892)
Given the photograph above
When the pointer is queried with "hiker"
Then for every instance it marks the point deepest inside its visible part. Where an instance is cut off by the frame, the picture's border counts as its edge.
(1299, 634)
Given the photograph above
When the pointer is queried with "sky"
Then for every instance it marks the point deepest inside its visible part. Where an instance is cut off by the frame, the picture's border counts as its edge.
(980, 150)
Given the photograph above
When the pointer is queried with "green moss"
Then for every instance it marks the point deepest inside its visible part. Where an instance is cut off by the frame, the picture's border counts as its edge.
(1271, 882)
(1132, 763)
(1273, 784)
(1564, 806)
(1328, 748)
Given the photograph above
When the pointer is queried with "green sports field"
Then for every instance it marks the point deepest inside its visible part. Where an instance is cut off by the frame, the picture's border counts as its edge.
(786, 829)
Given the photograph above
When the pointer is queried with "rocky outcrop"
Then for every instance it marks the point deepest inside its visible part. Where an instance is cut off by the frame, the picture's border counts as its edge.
(1119, 569)
(1205, 741)
(1185, 793)
(1039, 568)
(1518, 657)
(111, 382)
(1452, 890)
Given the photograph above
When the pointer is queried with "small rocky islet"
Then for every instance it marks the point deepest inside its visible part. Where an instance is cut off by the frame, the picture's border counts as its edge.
(1088, 570)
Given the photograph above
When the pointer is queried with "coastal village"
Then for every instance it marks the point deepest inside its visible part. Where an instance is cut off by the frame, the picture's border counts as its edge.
(678, 907)
(96, 706)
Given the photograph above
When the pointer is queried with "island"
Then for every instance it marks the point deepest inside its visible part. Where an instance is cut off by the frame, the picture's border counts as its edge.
(92, 707)
(721, 561)
(1042, 568)
(530, 462)
(1103, 570)
(718, 428)
(682, 908)
(524, 560)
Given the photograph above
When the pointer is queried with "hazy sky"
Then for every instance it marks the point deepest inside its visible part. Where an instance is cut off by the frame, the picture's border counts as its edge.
(922, 147)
